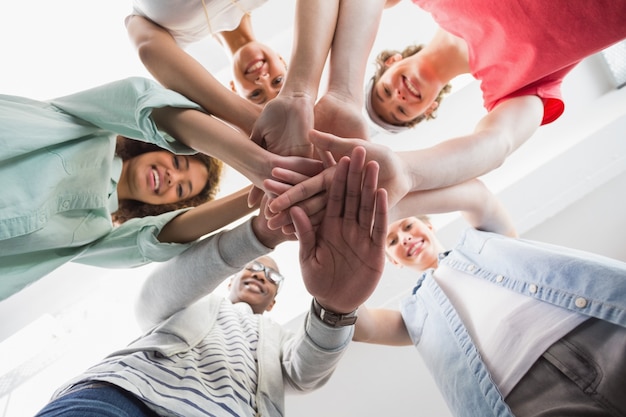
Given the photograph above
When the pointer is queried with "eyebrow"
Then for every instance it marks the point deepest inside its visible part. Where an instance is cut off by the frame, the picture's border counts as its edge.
(380, 98)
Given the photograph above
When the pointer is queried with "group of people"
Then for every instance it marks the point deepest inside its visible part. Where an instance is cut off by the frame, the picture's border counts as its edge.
(127, 174)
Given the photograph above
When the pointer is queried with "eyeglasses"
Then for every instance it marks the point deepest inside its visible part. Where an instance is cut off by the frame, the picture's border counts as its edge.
(271, 274)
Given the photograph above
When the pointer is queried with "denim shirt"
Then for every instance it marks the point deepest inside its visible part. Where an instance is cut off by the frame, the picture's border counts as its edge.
(579, 281)
(59, 174)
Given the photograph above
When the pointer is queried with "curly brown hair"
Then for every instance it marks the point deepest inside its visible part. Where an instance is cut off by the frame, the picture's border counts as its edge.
(381, 67)
(127, 209)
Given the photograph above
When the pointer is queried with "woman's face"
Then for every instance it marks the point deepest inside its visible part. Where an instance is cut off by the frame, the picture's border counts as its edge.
(258, 73)
(412, 243)
(404, 91)
(161, 177)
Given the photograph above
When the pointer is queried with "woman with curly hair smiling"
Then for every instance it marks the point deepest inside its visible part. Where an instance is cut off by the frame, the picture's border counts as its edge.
(68, 197)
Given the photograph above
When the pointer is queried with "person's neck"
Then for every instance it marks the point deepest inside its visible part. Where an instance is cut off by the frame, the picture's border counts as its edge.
(448, 54)
(240, 36)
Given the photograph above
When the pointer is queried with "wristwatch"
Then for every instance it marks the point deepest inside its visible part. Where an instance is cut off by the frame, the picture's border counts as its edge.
(331, 318)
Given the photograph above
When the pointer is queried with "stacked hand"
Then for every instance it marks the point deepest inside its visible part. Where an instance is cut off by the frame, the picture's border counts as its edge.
(343, 258)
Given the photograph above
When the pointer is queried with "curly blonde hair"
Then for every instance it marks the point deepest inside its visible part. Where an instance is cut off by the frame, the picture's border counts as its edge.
(381, 67)
(128, 209)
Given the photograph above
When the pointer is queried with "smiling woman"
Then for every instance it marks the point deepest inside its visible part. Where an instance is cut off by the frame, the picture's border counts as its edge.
(161, 181)
(66, 181)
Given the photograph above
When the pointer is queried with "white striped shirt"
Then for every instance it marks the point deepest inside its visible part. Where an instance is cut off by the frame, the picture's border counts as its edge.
(218, 377)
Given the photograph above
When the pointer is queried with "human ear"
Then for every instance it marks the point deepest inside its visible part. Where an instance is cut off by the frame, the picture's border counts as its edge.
(271, 305)
(232, 86)
(393, 59)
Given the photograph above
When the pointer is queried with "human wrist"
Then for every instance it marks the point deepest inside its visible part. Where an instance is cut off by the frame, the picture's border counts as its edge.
(267, 237)
(332, 318)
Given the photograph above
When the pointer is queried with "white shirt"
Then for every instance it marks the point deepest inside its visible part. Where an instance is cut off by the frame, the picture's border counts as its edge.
(186, 20)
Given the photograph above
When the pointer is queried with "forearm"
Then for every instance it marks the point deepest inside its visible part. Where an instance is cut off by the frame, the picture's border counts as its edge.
(210, 136)
(178, 71)
(496, 136)
(206, 218)
(477, 204)
(315, 24)
(357, 26)
(381, 327)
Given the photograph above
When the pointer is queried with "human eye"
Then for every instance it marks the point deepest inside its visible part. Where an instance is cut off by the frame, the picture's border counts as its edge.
(278, 80)
(387, 91)
(175, 162)
(179, 191)
(408, 226)
(401, 110)
(254, 95)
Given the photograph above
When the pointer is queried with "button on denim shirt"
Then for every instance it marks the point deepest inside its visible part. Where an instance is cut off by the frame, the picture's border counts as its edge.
(582, 282)
(59, 176)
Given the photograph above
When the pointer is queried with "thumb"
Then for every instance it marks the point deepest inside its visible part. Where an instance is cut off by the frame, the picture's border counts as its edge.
(337, 146)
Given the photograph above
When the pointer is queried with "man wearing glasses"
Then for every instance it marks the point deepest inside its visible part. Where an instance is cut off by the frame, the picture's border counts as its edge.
(204, 354)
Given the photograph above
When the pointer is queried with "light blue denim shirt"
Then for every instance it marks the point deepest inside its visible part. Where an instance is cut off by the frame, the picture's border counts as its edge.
(582, 282)
(59, 177)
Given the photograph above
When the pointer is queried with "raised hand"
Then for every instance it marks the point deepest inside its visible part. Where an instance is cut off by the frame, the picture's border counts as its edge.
(342, 260)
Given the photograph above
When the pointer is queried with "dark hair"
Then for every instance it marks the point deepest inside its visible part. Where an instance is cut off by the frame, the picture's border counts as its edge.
(127, 209)
(381, 67)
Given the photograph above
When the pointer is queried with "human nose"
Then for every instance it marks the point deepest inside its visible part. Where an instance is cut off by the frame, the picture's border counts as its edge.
(406, 238)
(173, 177)
(262, 78)
(399, 95)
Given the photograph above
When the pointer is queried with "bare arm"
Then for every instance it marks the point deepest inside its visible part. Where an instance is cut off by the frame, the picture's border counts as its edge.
(381, 327)
(478, 205)
(206, 218)
(452, 162)
(496, 136)
(339, 111)
(211, 136)
(179, 71)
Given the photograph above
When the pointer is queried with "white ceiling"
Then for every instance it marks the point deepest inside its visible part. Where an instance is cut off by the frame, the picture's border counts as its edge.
(564, 186)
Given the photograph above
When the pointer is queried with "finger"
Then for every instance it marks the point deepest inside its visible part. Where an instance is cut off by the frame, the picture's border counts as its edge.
(288, 176)
(379, 227)
(298, 193)
(335, 145)
(302, 165)
(368, 196)
(278, 220)
(254, 196)
(337, 190)
(353, 186)
(327, 158)
(304, 232)
(276, 187)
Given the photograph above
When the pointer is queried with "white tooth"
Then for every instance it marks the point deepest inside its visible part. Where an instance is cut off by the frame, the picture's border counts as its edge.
(157, 182)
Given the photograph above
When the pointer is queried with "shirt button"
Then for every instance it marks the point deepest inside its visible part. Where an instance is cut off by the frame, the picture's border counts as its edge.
(471, 268)
(65, 204)
(532, 288)
(580, 302)
(499, 278)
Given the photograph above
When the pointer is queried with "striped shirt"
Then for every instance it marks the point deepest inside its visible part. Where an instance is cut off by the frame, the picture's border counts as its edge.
(218, 377)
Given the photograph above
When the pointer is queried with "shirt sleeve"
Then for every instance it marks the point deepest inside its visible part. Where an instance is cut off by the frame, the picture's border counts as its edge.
(310, 358)
(196, 272)
(124, 107)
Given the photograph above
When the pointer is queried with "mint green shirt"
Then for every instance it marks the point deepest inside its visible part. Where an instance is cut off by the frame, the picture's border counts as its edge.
(59, 175)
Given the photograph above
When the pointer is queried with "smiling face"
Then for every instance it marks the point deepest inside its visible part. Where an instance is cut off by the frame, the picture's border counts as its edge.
(253, 287)
(405, 90)
(412, 243)
(258, 73)
(161, 177)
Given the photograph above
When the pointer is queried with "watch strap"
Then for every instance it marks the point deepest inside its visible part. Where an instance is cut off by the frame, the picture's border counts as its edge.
(331, 318)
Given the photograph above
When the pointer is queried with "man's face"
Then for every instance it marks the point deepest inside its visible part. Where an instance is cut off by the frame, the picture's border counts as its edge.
(252, 286)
